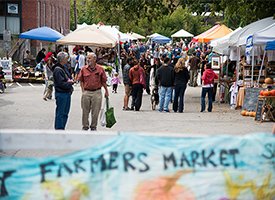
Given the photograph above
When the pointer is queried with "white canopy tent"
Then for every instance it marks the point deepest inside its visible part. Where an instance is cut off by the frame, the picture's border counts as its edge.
(265, 35)
(90, 36)
(257, 41)
(251, 30)
(154, 35)
(136, 35)
(122, 37)
(239, 38)
(79, 26)
(182, 33)
(112, 30)
(237, 41)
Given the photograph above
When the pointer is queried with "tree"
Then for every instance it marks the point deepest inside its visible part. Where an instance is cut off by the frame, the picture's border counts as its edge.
(167, 16)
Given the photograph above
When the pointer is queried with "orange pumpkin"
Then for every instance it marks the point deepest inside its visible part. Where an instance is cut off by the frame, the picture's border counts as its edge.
(268, 81)
(243, 112)
(254, 114)
(247, 113)
(266, 93)
(272, 93)
(251, 114)
(262, 92)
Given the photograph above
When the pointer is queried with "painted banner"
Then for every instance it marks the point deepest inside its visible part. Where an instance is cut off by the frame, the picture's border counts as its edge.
(7, 67)
(131, 167)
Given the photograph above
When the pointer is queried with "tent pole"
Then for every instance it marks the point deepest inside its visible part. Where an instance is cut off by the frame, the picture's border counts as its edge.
(261, 68)
(118, 53)
(238, 63)
(252, 70)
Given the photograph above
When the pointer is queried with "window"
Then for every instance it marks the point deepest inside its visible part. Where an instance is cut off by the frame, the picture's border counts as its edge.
(38, 14)
(53, 16)
(50, 14)
(13, 24)
(2, 24)
(44, 16)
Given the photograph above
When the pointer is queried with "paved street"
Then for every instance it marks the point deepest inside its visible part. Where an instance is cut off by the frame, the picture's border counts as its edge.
(22, 107)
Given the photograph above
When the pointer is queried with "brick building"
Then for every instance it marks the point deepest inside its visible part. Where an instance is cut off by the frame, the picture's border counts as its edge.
(22, 15)
(19, 16)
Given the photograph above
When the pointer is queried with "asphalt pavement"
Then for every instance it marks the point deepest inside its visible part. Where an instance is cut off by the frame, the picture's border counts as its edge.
(22, 107)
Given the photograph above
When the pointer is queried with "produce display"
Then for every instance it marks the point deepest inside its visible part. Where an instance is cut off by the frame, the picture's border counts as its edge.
(26, 74)
(267, 93)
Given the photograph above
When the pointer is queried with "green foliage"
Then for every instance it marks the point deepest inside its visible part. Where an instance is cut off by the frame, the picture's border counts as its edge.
(168, 16)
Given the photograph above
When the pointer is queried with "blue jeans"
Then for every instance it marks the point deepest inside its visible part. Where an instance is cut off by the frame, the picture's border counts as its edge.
(63, 104)
(209, 92)
(178, 104)
(165, 94)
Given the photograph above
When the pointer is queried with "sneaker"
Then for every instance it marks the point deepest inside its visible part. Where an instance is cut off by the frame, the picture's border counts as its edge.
(93, 128)
(85, 128)
(166, 110)
(44, 98)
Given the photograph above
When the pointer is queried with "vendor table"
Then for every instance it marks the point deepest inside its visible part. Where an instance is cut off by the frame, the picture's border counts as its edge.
(240, 97)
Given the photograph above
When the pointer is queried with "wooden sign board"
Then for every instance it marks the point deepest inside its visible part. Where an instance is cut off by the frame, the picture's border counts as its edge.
(251, 98)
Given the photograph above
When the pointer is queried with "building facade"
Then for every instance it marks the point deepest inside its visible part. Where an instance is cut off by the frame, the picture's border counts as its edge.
(22, 15)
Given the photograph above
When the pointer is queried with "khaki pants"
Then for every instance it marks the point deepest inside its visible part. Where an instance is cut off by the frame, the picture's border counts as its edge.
(193, 78)
(90, 103)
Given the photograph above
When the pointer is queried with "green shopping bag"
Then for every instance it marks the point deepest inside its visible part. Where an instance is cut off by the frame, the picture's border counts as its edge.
(110, 117)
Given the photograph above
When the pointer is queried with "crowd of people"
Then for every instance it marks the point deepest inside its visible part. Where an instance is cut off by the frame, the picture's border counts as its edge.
(169, 70)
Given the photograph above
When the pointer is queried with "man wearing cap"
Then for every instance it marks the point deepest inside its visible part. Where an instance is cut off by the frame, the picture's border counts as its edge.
(92, 77)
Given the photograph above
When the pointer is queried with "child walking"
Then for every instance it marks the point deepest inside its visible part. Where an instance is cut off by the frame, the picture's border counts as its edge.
(115, 82)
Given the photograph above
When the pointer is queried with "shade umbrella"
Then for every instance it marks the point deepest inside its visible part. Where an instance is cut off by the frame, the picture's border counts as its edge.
(89, 36)
(182, 33)
(42, 33)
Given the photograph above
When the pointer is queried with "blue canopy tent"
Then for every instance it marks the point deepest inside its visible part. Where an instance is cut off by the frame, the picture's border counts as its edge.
(42, 33)
(270, 46)
(160, 39)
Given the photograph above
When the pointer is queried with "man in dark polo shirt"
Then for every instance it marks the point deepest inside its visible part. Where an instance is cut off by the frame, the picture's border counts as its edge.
(92, 77)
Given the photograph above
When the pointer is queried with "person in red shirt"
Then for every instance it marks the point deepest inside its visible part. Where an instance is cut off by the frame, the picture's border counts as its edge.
(137, 78)
(207, 86)
(92, 77)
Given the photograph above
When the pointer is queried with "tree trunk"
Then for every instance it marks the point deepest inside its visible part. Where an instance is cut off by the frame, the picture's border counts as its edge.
(75, 15)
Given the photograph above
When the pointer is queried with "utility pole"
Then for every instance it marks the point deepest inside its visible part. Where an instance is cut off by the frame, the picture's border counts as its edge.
(75, 15)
